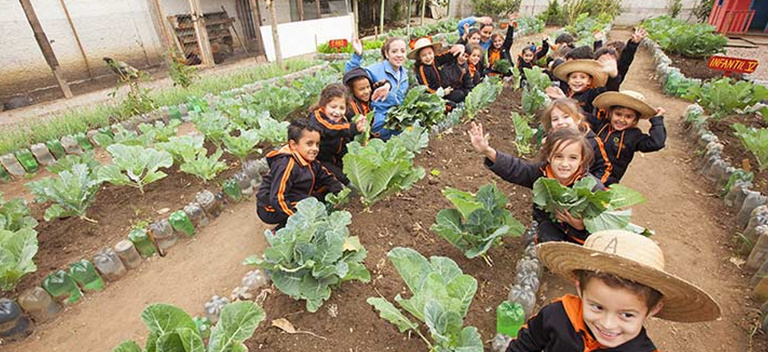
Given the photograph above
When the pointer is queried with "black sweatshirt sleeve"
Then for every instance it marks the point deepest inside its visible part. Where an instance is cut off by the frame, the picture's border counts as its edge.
(542, 51)
(326, 178)
(510, 38)
(532, 337)
(513, 169)
(445, 57)
(626, 58)
(656, 139)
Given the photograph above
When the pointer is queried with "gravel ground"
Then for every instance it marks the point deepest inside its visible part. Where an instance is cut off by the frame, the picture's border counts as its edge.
(760, 53)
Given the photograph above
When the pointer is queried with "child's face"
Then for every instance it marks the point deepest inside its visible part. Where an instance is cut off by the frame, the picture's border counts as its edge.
(335, 108)
(427, 56)
(528, 56)
(308, 145)
(623, 118)
(613, 315)
(579, 81)
(561, 120)
(486, 33)
(475, 57)
(498, 41)
(462, 59)
(396, 53)
(565, 161)
(361, 89)
(474, 39)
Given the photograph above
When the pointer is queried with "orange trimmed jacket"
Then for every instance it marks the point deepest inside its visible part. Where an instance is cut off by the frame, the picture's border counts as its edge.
(560, 327)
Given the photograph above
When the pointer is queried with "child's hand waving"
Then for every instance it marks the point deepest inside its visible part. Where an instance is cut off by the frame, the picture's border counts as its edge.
(380, 93)
(660, 111)
(513, 16)
(639, 35)
(358, 46)
(480, 141)
(554, 92)
(361, 122)
(457, 50)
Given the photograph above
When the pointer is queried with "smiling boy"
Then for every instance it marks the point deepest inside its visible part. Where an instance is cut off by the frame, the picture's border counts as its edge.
(621, 281)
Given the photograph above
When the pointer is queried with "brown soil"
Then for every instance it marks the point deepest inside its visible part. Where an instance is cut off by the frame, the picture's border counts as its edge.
(404, 220)
(734, 151)
(697, 68)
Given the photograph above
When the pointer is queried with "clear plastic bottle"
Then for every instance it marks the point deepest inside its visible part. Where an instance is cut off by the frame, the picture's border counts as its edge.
(108, 263)
(244, 182)
(42, 154)
(56, 148)
(759, 252)
(14, 325)
(128, 254)
(70, 145)
(196, 214)
(12, 165)
(62, 287)
(527, 279)
(181, 223)
(524, 296)
(163, 234)
(143, 243)
(208, 202)
(86, 276)
(232, 189)
(510, 317)
(39, 304)
(255, 279)
(27, 160)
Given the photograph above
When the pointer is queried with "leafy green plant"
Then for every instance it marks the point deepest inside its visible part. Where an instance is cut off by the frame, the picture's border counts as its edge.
(478, 221)
(17, 251)
(313, 253)
(481, 96)
(582, 25)
(523, 133)
(126, 137)
(378, 169)
(502, 66)
(278, 100)
(243, 145)
(15, 215)
(134, 166)
(600, 210)
(440, 297)
(723, 96)
(181, 74)
(273, 131)
(418, 106)
(204, 167)
(529, 25)
(72, 192)
(311, 86)
(172, 329)
(756, 141)
(338, 200)
(213, 125)
(553, 15)
(160, 131)
(183, 148)
(495, 7)
(67, 162)
(681, 37)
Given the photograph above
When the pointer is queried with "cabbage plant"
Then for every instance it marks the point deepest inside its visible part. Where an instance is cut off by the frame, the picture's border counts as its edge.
(17, 249)
(134, 166)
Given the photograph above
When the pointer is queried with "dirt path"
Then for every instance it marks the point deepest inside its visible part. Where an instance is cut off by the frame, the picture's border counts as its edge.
(693, 228)
(188, 276)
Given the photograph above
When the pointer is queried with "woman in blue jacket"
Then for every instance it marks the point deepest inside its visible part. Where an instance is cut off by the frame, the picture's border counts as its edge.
(390, 69)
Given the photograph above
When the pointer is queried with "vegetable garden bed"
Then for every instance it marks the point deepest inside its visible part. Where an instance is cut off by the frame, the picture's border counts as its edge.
(734, 151)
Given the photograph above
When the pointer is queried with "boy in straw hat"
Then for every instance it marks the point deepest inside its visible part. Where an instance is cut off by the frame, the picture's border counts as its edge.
(619, 132)
(584, 80)
(621, 282)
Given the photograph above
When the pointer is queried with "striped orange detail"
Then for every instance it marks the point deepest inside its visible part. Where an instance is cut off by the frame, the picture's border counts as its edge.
(320, 116)
(281, 191)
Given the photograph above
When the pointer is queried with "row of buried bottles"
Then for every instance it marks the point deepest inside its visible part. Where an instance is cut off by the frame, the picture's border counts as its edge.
(65, 287)
(28, 160)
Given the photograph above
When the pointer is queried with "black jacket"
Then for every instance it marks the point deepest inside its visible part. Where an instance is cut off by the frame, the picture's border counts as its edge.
(601, 164)
(429, 75)
(523, 173)
(622, 145)
(540, 52)
(560, 327)
(334, 136)
(290, 179)
(587, 96)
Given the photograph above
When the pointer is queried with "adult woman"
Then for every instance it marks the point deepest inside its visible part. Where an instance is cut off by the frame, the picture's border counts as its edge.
(390, 69)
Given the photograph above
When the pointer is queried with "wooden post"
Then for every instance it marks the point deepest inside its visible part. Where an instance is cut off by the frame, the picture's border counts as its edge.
(162, 23)
(423, 10)
(381, 18)
(256, 14)
(275, 36)
(357, 16)
(201, 33)
(45, 47)
(319, 10)
(77, 38)
(409, 5)
(300, 8)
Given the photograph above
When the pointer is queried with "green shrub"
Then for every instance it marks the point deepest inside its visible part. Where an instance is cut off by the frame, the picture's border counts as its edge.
(687, 39)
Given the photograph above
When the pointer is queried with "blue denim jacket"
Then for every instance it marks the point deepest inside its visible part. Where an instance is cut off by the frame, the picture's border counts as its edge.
(471, 20)
(378, 72)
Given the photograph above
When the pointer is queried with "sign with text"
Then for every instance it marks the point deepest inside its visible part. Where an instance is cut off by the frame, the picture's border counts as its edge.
(337, 43)
(732, 64)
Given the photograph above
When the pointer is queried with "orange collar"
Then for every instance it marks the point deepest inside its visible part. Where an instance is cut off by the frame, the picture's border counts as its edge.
(579, 174)
(574, 308)
(286, 149)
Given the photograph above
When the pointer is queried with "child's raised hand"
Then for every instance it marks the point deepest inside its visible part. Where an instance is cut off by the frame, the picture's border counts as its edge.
(457, 50)
(358, 46)
(639, 35)
(660, 111)
(380, 93)
(513, 16)
(485, 20)
(480, 141)
(466, 27)
(566, 217)
(598, 35)
(610, 66)
(361, 122)
(554, 92)
(447, 90)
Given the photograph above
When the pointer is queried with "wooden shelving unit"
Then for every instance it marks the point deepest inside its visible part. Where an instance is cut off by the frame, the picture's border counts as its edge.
(217, 25)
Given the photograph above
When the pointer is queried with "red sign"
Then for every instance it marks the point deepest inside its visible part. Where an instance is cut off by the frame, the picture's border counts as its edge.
(337, 43)
(732, 64)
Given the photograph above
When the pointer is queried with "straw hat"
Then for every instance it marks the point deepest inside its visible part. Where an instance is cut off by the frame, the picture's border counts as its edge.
(628, 99)
(421, 44)
(591, 67)
(636, 258)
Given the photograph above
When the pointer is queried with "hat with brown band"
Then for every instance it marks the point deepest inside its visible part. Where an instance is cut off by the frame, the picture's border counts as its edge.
(635, 258)
(628, 99)
(590, 67)
(422, 43)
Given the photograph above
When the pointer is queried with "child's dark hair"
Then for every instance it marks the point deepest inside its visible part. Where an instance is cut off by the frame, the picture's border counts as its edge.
(606, 51)
(648, 294)
(494, 36)
(472, 32)
(580, 53)
(617, 45)
(297, 128)
(483, 25)
(563, 137)
(568, 106)
(470, 48)
(387, 43)
(333, 90)
(530, 47)
(564, 38)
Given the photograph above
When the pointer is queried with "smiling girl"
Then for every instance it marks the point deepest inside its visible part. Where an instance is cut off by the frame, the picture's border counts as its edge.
(565, 157)
(485, 30)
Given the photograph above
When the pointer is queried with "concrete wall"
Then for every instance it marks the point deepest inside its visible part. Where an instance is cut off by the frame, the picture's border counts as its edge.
(121, 29)
(299, 38)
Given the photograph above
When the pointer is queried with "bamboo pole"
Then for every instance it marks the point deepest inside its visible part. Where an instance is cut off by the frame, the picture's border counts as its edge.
(45, 47)
(275, 36)
(256, 14)
(77, 38)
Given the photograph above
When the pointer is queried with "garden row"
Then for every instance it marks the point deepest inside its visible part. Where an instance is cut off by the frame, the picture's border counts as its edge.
(727, 106)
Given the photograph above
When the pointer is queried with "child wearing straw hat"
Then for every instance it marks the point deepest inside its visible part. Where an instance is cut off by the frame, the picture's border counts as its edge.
(619, 132)
(621, 282)
(584, 80)
(428, 63)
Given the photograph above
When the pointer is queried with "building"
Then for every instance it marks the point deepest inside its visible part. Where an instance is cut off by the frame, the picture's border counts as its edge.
(739, 16)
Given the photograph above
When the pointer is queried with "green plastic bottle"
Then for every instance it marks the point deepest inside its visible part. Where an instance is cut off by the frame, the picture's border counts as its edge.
(143, 243)
(174, 113)
(107, 130)
(56, 148)
(62, 286)
(4, 175)
(181, 223)
(27, 160)
(86, 276)
(232, 190)
(83, 141)
(510, 317)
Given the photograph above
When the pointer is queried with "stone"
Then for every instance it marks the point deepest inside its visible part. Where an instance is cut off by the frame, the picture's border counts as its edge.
(213, 308)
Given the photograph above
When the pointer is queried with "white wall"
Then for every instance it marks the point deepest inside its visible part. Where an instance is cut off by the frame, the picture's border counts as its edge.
(298, 38)
(633, 11)
(122, 29)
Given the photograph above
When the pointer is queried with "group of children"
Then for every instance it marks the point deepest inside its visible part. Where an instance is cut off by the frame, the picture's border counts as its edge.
(591, 132)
